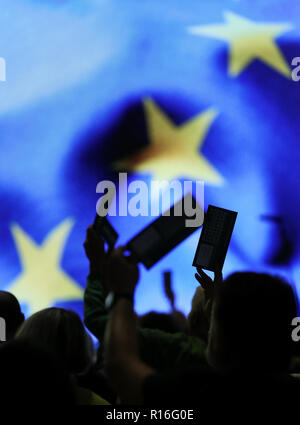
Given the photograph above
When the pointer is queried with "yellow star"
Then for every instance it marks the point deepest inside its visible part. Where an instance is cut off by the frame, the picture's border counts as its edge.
(248, 41)
(42, 282)
(173, 149)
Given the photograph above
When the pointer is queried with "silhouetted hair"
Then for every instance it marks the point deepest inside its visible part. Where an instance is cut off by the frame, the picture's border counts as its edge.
(10, 311)
(61, 333)
(253, 312)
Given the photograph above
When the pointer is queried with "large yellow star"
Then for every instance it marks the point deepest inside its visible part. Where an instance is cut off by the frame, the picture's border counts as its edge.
(173, 150)
(42, 282)
(248, 41)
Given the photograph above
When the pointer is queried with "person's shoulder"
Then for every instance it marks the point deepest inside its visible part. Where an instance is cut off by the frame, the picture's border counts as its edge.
(86, 397)
(183, 386)
(193, 343)
(184, 343)
(195, 385)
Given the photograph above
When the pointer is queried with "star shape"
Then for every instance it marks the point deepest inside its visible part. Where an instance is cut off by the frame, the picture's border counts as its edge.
(42, 282)
(248, 41)
(173, 150)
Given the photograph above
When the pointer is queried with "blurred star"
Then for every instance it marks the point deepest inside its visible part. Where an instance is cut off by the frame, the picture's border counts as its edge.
(42, 282)
(174, 149)
(248, 40)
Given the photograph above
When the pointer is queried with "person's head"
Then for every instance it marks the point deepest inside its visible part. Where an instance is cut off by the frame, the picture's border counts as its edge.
(31, 377)
(10, 312)
(251, 324)
(61, 333)
(161, 321)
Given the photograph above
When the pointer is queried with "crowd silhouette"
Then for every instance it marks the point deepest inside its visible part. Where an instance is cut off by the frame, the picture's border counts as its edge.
(234, 348)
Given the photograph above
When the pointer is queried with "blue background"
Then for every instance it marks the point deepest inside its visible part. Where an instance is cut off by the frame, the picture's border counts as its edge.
(77, 72)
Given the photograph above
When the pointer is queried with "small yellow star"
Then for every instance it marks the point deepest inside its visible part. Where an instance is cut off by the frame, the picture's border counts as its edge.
(173, 150)
(248, 41)
(42, 282)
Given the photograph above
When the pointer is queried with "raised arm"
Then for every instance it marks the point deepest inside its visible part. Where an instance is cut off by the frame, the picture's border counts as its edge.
(125, 370)
(200, 314)
(95, 315)
(158, 349)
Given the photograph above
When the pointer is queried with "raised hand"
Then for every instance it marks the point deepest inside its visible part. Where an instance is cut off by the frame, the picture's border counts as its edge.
(210, 286)
(121, 271)
(95, 252)
(205, 294)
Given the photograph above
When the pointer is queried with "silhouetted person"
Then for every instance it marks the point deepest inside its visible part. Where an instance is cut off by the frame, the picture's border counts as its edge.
(157, 348)
(32, 378)
(162, 321)
(168, 322)
(251, 324)
(10, 311)
(249, 347)
(61, 333)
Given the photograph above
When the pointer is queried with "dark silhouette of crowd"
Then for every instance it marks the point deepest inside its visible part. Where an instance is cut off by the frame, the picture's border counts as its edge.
(235, 348)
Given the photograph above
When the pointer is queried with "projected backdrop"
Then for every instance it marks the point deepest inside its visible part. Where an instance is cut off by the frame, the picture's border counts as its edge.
(164, 89)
